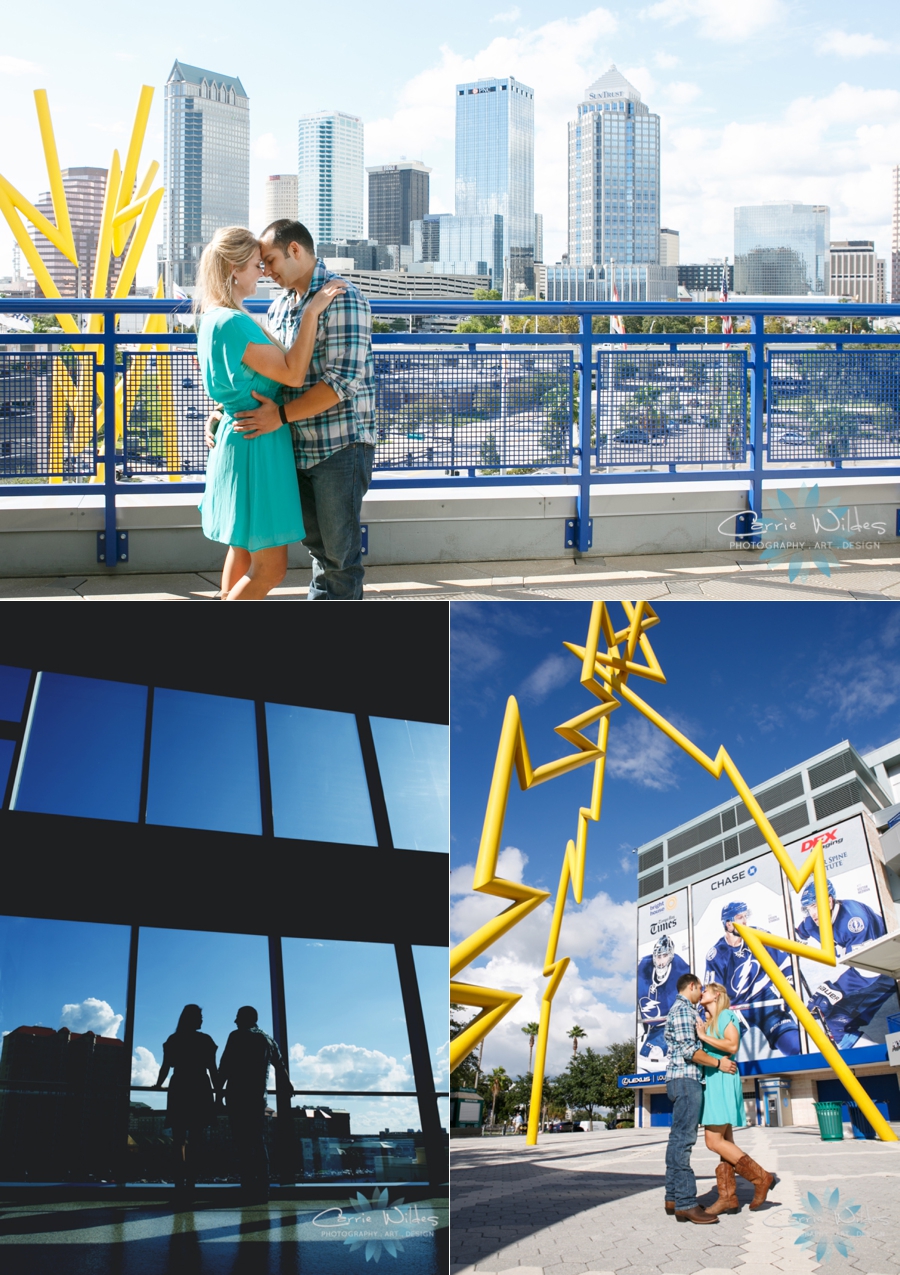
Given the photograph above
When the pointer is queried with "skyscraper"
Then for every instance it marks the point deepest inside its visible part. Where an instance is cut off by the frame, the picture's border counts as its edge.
(281, 197)
(84, 189)
(668, 247)
(613, 176)
(539, 236)
(398, 195)
(853, 270)
(207, 165)
(330, 175)
(895, 239)
(495, 167)
(780, 248)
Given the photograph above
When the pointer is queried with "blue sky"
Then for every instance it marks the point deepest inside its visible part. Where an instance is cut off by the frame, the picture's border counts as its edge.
(781, 99)
(765, 680)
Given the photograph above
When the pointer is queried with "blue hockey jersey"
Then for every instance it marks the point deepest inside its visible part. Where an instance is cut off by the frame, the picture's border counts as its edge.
(656, 999)
(856, 923)
(741, 974)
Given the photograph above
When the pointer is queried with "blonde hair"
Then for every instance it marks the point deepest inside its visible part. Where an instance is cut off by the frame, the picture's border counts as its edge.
(723, 1001)
(231, 247)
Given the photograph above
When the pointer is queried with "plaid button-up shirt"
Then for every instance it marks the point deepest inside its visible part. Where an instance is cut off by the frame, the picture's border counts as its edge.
(681, 1041)
(342, 358)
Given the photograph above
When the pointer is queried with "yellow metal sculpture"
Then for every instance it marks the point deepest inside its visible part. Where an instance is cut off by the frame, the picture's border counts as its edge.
(605, 674)
(129, 210)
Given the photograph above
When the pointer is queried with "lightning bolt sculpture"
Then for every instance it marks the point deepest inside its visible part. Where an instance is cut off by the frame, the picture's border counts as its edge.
(605, 675)
(128, 206)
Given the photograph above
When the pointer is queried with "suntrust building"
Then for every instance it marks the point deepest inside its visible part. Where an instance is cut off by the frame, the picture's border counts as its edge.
(700, 879)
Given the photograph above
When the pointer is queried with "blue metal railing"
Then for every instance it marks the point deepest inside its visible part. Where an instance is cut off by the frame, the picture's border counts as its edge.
(577, 408)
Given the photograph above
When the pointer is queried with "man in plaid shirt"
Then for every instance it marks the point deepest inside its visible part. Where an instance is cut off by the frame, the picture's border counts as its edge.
(332, 415)
(684, 1086)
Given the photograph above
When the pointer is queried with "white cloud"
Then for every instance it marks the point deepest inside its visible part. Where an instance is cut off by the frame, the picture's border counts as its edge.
(849, 45)
(643, 755)
(266, 146)
(144, 1067)
(125, 57)
(16, 66)
(552, 672)
(665, 60)
(347, 1067)
(91, 1015)
(718, 21)
(509, 16)
(681, 92)
(837, 149)
(558, 60)
(597, 990)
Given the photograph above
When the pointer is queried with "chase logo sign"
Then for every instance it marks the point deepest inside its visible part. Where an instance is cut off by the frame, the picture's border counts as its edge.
(751, 872)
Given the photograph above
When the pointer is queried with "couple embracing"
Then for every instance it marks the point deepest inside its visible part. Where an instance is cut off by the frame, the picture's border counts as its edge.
(292, 440)
(704, 1086)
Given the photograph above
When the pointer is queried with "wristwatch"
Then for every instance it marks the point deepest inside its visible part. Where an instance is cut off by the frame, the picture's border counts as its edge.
(283, 414)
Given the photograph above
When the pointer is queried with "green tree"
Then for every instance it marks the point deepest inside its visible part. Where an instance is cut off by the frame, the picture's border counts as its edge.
(583, 1083)
(531, 1030)
(499, 1082)
(482, 322)
(463, 1076)
(490, 456)
(575, 1034)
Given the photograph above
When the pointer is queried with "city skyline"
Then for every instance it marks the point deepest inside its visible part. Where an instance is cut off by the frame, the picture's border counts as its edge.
(773, 104)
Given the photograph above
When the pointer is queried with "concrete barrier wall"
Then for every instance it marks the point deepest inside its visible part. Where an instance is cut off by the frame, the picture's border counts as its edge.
(48, 536)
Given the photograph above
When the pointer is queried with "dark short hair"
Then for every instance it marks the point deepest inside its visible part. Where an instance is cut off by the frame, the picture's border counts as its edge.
(285, 232)
(247, 1014)
(687, 980)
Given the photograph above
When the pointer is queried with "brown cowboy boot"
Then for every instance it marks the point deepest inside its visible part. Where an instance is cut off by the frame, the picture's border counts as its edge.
(670, 1207)
(727, 1201)
(760, 1179)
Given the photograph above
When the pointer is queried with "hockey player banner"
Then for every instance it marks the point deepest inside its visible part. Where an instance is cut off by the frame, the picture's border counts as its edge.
(851, 1004)
(663, 956)
(749, 894)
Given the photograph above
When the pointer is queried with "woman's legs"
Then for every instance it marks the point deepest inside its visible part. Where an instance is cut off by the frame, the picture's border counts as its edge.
(237, 564)
(266, 569)
(719, 1138)
(179, 1152)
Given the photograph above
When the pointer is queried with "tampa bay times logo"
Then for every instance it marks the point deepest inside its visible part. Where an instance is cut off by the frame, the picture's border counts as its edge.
(802, 530)
(828, 1225)
(376, 1226)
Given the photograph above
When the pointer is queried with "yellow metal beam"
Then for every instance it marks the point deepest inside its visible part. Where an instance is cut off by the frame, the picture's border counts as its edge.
(66, 242)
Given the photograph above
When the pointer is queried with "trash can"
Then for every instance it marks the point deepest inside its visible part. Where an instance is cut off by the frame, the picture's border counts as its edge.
(859, 1123)
(831, 1126)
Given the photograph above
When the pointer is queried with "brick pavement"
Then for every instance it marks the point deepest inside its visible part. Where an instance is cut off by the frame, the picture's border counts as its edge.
(592, 1204)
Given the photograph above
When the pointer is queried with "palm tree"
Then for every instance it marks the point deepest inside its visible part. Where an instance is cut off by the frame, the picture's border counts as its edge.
(499, 1080)
(531, 1030)
(575, 1034)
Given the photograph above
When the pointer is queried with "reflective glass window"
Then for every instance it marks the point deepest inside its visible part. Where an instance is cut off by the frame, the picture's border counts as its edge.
(319, 789)
(83, 747)
(220, 973)
(59, 1106)
(13, 689)
(204, 771)
(433, 977)
(413, 761)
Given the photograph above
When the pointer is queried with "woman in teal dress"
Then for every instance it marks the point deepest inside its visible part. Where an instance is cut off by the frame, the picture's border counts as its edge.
(723, 1104)
(251, 502)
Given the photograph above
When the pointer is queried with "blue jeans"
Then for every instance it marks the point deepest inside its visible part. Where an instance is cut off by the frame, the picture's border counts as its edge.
(686, 1097)
(331, 496)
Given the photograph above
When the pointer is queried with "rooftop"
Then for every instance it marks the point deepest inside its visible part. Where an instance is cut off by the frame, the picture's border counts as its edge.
(197, 74)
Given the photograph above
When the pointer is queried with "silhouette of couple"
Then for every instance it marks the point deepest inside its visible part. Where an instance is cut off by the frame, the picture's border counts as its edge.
(198, 1087)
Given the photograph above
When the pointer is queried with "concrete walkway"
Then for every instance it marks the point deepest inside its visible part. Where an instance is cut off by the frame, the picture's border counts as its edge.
(870, 575)
(592, 1204)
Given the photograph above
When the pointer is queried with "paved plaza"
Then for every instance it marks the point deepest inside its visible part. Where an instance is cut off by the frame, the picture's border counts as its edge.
(863, 575)
(592, 1204)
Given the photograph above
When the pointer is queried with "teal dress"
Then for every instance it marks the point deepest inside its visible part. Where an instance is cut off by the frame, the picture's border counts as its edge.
(723, 1101)
(251, 499)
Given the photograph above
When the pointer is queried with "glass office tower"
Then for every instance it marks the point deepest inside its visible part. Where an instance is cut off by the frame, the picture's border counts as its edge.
(780, 249)
(495, 168)
(613, 176)
(330, 175)
(207, 166)
(398, 195)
